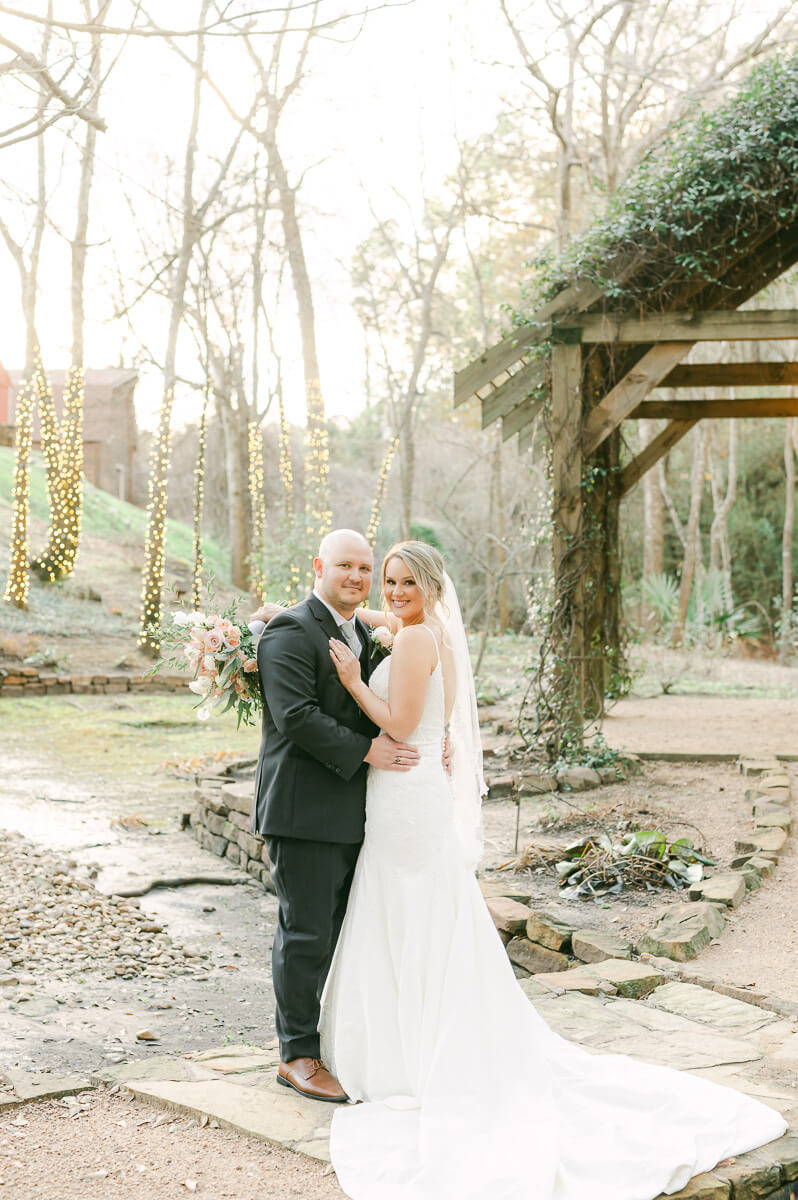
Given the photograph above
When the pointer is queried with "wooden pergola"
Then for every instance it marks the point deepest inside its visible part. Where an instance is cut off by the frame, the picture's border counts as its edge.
(601, 370)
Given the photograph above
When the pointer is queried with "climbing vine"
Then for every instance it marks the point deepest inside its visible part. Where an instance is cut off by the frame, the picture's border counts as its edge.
(709, 217)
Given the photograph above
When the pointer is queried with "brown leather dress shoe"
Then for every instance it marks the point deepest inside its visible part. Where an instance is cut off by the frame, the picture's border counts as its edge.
(310, 1078)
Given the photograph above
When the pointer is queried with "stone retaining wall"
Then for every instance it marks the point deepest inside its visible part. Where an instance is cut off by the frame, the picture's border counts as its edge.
(29, 681)
(220, 823)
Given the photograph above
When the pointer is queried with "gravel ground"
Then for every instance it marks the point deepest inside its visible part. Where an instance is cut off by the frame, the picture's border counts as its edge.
(53, 922)
(105, 1146)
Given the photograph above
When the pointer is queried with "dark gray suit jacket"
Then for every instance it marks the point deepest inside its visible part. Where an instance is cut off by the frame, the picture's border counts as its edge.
(311, 778)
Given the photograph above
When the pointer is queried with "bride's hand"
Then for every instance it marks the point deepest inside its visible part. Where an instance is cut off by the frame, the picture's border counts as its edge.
(345, 663)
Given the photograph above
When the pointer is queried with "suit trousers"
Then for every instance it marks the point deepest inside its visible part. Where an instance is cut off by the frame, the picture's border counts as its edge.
(312, 882)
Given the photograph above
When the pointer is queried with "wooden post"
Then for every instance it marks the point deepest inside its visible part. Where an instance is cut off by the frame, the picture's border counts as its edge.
(568, 620)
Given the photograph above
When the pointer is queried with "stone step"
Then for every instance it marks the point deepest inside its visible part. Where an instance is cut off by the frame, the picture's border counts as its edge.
(591, 945)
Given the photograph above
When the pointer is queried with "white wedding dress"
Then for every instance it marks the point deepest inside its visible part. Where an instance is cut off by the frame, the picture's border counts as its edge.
(468, 1095)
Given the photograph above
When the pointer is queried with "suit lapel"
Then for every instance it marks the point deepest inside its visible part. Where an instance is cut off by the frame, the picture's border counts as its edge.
(364, 633)
(325, 618)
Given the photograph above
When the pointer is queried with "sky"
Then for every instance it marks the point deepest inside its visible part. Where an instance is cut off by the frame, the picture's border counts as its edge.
(377, 114)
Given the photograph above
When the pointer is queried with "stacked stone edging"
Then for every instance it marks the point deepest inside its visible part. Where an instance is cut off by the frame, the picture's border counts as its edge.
(21, 682)
(565, 957)
(683, 930)
(220, 823)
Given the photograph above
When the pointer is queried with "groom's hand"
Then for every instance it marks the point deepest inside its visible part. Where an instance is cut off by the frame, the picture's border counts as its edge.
(388, 755)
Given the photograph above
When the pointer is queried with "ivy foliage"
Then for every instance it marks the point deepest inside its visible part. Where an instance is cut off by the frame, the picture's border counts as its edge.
(719, 183)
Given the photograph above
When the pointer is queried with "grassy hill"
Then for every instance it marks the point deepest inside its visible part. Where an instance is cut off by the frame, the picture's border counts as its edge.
(106, 517)
(91, 620)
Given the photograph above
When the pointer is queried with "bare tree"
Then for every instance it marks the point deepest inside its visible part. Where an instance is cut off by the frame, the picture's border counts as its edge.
(609, 76)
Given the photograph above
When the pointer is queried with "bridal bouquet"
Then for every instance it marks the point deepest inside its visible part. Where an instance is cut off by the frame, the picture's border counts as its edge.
(221, 653)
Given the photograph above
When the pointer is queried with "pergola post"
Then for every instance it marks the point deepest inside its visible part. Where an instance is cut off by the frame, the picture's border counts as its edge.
(568, 624)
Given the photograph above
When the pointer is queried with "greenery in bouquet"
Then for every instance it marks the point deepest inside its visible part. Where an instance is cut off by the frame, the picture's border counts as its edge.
(220, 650)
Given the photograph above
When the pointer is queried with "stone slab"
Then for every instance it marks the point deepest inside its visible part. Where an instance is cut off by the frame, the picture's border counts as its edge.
(238, 1064)
(509, 916)
(727, 888)
(756, 766)
(549, 931)
(682, 931)
(786, 1055)
(504, 888)
(631, 979)
(702, 1187)
(752, 1176)
(570, 981)
(769, 840)
(776, 817)
(162, 1067)
(29, 1086)
(710, 1008)
(631, 1027)
(591, 945)
(535, 958)
(281, 1116)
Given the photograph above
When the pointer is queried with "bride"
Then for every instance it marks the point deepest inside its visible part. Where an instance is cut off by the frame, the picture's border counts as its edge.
(466, 1093)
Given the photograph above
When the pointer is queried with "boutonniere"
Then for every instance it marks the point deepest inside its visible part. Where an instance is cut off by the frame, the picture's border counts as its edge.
(381, 641)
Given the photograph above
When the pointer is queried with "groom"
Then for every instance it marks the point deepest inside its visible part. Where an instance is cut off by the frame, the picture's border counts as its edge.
(310, 791)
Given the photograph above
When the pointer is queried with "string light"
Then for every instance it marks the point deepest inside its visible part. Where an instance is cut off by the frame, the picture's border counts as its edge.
(199, 493)
(64, 471)
(317, 458)
(286, 471)
(16, 592)
(374, 519)
(152, 585)
(258, 509)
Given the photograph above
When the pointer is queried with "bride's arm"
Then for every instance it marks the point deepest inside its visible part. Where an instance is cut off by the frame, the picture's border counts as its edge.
(375, 617)
(412, 662)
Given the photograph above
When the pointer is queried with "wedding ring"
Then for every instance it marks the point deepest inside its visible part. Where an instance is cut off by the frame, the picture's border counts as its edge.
(398, 761)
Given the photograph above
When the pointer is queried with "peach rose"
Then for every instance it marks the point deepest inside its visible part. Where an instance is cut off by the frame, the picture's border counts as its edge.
(250, 665)
(233, 637)
(213, 640)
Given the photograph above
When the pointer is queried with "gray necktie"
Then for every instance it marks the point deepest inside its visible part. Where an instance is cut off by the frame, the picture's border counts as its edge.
(348, 630)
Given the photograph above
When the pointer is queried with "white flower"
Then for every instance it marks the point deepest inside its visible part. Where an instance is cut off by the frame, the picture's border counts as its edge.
(180, 618)
(209, 663)
(196, 618)
(203, 712)
(201, 686)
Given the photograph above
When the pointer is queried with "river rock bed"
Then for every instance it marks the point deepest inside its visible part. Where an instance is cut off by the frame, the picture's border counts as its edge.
(55, 923)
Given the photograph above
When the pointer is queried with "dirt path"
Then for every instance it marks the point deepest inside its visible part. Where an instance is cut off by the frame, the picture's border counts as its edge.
(102, 1146)
(704, 725)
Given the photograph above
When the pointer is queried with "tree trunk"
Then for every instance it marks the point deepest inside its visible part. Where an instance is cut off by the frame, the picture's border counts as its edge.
(154, 545)
(692, 532)
(785, 640)
(653, 513)
(719, 549)
(317, 497)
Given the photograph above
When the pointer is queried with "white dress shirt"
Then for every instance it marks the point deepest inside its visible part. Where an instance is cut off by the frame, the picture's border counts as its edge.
(339, 621)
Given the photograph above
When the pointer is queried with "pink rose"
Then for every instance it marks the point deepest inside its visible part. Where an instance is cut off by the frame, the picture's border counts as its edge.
(250, 665)
(213, 640)
(239, 687)
(383, 636)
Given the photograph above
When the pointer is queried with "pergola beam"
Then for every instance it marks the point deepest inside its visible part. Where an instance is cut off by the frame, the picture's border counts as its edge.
(753, 374)
(513, 391)
(520, 417)
(698, 410)
(652, 453)
(716, 326)
(607, 415)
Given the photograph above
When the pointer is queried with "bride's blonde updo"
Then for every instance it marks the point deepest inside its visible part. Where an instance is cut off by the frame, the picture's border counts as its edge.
(425, 564)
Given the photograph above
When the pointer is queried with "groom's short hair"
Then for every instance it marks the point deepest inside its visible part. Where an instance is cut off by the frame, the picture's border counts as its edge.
(328, 542)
